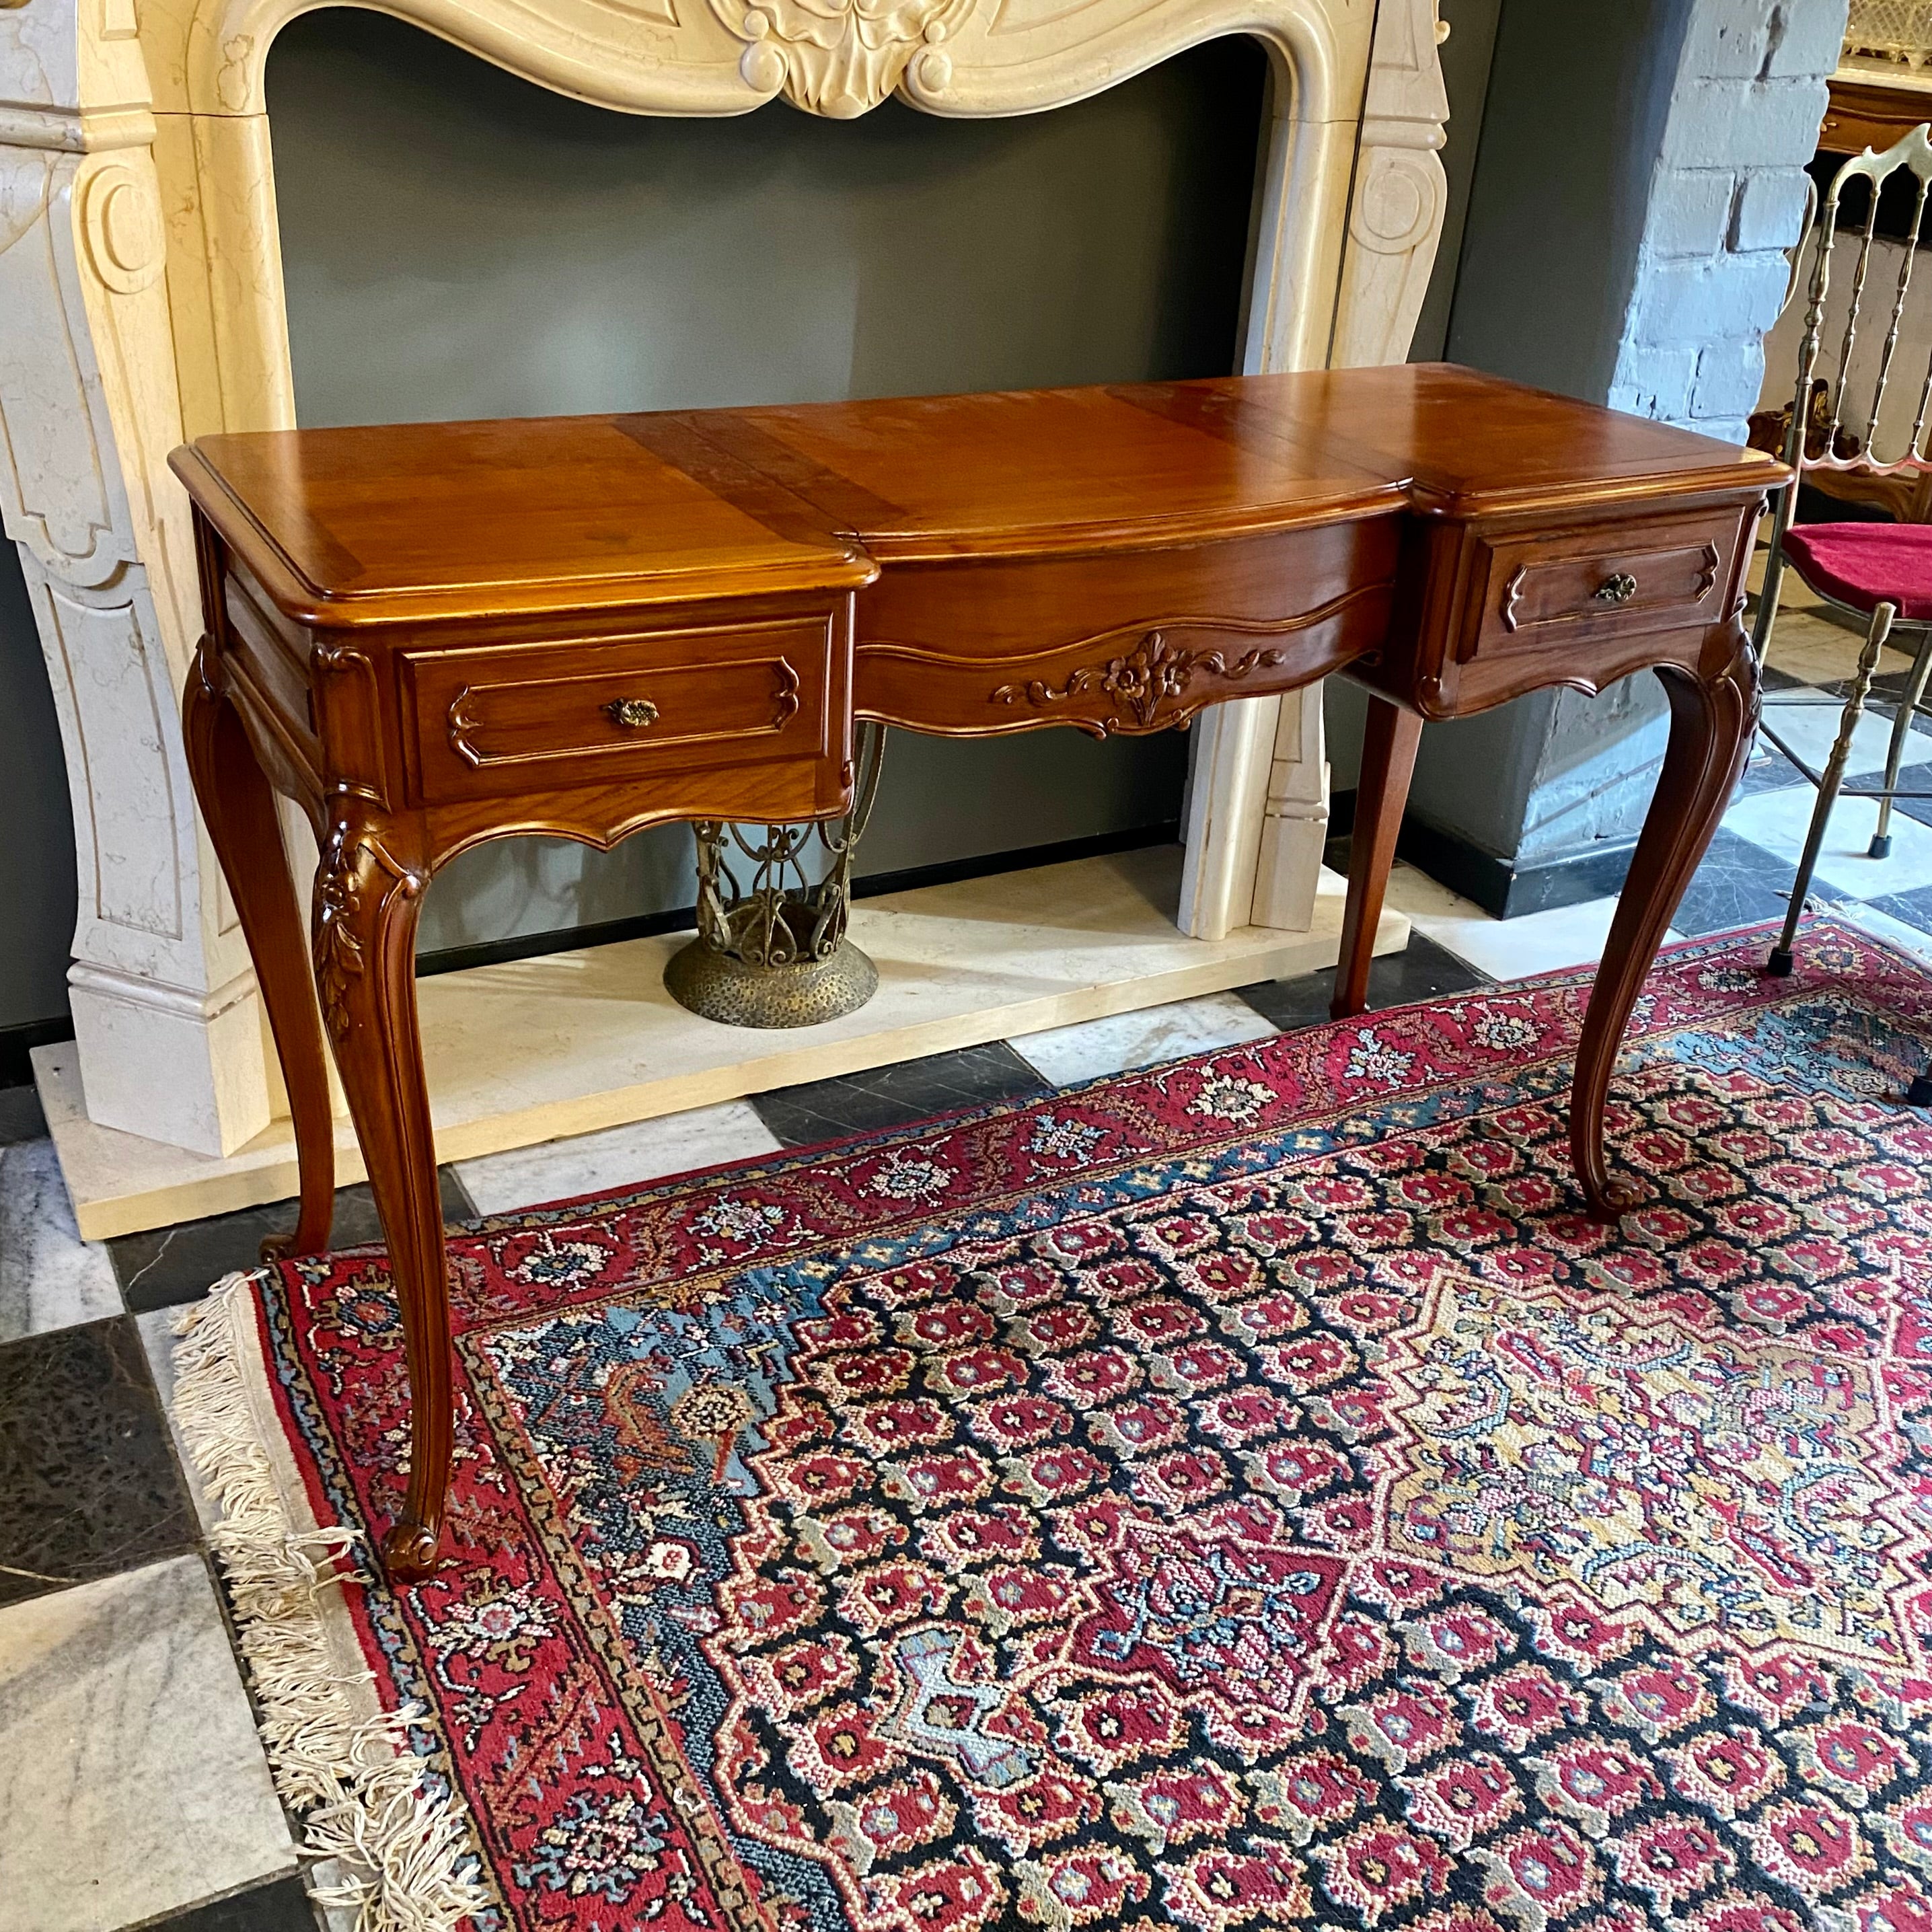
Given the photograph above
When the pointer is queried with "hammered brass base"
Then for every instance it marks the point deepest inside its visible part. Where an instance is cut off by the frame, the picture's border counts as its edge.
(718, 987)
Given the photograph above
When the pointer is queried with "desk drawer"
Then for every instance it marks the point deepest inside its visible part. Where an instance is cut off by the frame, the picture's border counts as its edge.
(1600, 582)
(515, 718)
(1121, 639)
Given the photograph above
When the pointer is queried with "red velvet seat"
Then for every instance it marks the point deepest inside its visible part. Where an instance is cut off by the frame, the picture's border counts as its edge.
(1864, 564)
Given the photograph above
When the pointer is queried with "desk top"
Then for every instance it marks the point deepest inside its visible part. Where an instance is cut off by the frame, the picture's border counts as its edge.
(425, 521)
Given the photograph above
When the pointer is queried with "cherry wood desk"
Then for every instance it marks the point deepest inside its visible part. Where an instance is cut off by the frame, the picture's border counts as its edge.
(435, 634)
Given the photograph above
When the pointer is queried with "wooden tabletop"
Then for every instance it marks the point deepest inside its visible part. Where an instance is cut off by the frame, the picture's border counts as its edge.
(350, 526)
(457, 520)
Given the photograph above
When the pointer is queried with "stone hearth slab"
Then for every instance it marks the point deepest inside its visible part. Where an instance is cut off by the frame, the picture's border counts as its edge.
(571, 1042)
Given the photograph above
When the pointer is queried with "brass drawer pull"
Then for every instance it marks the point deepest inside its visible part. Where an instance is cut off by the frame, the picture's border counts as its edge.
(633, 713)
(1618, 589)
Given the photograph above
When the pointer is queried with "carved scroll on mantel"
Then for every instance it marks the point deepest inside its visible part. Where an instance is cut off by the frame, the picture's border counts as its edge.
(1395, 222)
(142, 302)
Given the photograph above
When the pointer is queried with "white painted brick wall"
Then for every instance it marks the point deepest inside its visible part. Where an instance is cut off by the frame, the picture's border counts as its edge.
(1691, 213)
(1769, 209)
(1725, 204)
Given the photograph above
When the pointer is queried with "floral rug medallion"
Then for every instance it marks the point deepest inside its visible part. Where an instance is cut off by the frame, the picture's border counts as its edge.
(1243, 1493)
(1727, 1488)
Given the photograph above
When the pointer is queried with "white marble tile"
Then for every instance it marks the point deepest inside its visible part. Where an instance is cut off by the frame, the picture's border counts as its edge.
(49, 1277)
(1066, 1054)
(1412, 891)
(1505, 949)
(1807, 720)
(626, 1157)
(132, 1783)
(1778, 821)
(1792, 596)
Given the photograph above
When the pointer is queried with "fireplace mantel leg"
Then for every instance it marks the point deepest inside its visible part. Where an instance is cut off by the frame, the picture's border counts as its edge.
(165, 1007)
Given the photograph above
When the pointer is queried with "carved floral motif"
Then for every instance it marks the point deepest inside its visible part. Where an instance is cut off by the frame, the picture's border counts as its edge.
(841, 57)
(353, 865)
(1152, 676)
(338, 951)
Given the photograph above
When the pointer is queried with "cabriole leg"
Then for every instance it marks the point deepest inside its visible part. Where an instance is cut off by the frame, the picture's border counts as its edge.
(368, 892)
(1389, 741)
(238, 805)
(1712, 717)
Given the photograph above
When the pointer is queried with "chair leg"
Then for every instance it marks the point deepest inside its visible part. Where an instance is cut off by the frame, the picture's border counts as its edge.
(1919, 1093)
(1779, 964)
(1894, 757)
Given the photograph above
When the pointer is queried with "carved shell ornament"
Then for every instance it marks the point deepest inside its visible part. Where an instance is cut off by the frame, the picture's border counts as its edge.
(841, 57)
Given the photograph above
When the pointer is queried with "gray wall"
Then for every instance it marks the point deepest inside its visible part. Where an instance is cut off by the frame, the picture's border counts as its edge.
(458, 243)
(37, 879)
(1576, 102)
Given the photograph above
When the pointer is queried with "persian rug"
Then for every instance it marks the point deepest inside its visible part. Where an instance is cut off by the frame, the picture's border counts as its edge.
(1243, 1493)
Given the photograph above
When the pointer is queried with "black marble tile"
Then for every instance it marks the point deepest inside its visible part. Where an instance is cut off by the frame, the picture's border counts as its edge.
(1915, 908)
(162, 1267)
(1739, 883)
(1775, 679)
(1769, 770)
(1888, 689)
(1421, 972)
(1911, 779)
(20, 1116)
(895, 1097)
(88, 1483)
(283, 1906)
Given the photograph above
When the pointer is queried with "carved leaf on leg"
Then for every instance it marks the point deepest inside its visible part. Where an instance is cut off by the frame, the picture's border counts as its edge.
(352, 864)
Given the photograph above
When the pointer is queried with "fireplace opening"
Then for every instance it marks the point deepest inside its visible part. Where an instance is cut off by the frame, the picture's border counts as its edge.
(458, 242)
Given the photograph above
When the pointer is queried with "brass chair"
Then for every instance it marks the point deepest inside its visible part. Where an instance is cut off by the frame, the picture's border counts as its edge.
(1879, 573)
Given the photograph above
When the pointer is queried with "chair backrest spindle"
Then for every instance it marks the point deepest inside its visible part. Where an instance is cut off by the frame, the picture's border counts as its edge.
(1911, 154)
(1850, 342)
(1909, 255)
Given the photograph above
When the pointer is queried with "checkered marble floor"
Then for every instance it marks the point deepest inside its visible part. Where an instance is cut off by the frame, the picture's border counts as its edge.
(133, 1790)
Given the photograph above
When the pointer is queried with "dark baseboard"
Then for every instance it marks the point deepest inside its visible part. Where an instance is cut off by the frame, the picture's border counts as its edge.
(535, 945)
(17, 1042)
(875, 885)
(1499, 887)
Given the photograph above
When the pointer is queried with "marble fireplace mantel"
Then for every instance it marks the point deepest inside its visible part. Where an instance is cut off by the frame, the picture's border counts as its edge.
(141, 303)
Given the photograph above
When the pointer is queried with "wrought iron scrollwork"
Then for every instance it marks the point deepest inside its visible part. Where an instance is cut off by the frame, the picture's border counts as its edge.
(771, 948)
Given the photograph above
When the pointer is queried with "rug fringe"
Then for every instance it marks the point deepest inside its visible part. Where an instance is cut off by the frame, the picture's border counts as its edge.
(359, 1790)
